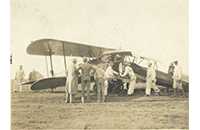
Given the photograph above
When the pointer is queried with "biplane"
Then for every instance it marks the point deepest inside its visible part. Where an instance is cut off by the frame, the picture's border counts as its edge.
(96, 55)
(50, 47)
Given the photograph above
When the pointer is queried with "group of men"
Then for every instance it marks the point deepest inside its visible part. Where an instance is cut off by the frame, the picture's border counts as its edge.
(72, 80)
(174, 70)
(102, 80)
(104, 77)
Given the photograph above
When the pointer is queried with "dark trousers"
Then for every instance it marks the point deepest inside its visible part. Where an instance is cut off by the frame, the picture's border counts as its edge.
(85, 83)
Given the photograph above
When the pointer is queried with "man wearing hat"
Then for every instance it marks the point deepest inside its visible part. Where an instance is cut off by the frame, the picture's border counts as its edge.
(177, 76)
(85, 78)
(151, 80)
(72, 81)
(129, 71)
(19, 77)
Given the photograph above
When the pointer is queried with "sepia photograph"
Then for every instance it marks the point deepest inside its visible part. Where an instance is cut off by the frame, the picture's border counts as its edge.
(99, 64)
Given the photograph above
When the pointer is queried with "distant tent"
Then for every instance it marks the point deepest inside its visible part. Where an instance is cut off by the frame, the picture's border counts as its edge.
(34, 75)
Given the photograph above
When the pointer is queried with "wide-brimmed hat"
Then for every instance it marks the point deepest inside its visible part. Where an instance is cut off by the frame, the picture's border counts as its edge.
(84, 59)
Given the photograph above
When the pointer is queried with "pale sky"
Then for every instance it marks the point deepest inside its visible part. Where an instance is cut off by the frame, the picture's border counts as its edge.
(154, 28)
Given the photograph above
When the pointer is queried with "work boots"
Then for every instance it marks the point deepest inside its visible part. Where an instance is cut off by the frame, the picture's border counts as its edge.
(175, 95)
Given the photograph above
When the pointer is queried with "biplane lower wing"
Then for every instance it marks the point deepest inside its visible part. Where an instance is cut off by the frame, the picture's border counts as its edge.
(49, 83)
(53, 82)
(26, 83)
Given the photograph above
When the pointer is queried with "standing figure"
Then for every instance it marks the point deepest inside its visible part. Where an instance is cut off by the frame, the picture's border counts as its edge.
(85, 78)
(151, 80)
(19, 77)
(171, 69)
(72, 82)
(99, 76)
(109, 74)
(170, 72)
(129, 71)
(177, 79)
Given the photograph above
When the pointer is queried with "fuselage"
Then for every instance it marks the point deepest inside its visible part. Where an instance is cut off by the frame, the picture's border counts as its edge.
(162, 78)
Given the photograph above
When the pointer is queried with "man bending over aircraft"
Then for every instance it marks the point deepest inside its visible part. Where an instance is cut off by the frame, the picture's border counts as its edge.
(19, 77)
(151, 80)
(109, 75)
(177, 76)
(129, 71)
(85, 78)
(72, 82)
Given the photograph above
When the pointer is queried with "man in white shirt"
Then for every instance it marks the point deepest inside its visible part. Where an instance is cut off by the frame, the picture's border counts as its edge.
(19, 77)
(109, 74)
(177, 76)
(151, 80)
(129, 71)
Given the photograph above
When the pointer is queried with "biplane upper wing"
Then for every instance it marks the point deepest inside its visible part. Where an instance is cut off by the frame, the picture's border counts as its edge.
(122, 52)
(58, 47)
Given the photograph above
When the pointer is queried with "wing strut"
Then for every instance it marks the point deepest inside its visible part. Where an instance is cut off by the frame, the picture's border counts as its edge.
(156, 65)
(52, 73)
(47, 66)
(100, 52)
(140, 61)
(64, 56)
(92, 53)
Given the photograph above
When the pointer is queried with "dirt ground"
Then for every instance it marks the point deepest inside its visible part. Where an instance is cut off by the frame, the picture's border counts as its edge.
(46, 110)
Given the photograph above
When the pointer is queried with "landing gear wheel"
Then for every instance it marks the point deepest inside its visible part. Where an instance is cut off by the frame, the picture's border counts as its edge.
(115, 87)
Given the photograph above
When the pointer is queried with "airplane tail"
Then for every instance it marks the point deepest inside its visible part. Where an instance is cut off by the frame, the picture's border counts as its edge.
(34, 76)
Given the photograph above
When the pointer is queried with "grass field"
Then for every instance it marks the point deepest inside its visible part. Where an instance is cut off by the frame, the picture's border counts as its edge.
(46, 110)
